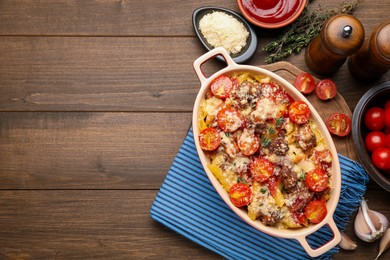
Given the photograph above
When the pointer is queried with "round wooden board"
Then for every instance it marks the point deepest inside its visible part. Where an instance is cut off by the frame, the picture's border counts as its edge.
(344, 145)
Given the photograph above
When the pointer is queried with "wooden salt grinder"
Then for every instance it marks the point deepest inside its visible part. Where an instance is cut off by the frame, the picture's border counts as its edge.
(341, 36)
(373, 58)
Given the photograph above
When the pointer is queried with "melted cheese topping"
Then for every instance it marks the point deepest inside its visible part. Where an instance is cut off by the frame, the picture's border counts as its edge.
(293, 150)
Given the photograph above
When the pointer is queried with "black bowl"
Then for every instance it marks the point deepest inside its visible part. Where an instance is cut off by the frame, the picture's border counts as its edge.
(376, 96)
(251, 45)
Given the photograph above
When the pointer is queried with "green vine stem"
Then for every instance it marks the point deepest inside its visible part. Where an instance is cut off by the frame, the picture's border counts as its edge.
(300, 33)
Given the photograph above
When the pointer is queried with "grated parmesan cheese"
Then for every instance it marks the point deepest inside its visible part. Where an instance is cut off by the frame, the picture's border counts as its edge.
(223, 30)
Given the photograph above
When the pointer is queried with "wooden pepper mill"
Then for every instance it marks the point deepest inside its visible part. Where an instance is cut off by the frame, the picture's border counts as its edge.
(341, 36)
(373, 58)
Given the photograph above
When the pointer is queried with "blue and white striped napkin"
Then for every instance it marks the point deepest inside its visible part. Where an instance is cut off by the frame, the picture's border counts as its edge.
(188, 204)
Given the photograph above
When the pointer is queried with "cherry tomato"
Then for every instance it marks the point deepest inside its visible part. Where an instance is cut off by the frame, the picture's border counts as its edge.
(248, 143)
(381, 158)
(387, 117)
(299, 112)
(316, 211)
(317, 180)
(375, 140)
(229, 120)
(374, 118)
(240, 194)
(261, 169)
(387, 104)
(209, 139)
(326, 89)
(272, 183)
(387, 141)
(339, 124)
(305, 83)
(300, 218)
(221, 86)
(322, 159)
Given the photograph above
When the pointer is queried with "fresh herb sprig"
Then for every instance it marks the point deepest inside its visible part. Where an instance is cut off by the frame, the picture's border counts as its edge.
(299, 34)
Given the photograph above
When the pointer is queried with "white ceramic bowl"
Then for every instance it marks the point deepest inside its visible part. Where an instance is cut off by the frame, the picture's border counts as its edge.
(335, 181)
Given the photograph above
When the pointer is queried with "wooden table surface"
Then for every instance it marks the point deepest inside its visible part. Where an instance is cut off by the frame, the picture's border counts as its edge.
(95, 100)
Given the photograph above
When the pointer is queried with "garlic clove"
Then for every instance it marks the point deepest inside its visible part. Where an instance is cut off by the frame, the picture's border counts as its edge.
(369, 225)
(384, 243)
(346, 242)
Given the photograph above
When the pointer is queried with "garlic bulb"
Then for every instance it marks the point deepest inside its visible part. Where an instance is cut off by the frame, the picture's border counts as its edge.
(369, 225)
(346, 242)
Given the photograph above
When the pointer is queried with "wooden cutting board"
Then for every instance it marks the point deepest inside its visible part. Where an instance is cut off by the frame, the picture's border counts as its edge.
(344, 145)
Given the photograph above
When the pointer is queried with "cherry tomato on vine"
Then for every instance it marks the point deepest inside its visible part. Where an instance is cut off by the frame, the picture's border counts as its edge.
(209, 139)
(326, 89)
(229, 120)
(317, 180)
(339, 124)
(299, 112)
(261, 169)
(240, 194)
(305, 83)
(221, 86)
(374, 118)
(316, 211)
(381, 158)
(374, 140)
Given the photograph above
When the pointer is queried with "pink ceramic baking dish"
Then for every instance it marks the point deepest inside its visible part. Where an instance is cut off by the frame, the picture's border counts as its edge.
(335, 181)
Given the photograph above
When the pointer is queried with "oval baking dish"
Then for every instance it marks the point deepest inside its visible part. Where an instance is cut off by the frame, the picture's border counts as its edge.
(335, 181)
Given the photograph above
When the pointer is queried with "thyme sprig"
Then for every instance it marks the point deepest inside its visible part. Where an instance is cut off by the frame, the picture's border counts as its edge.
(299, 34)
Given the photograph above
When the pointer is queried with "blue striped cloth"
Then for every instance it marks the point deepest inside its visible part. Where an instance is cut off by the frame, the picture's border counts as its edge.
(188, 204)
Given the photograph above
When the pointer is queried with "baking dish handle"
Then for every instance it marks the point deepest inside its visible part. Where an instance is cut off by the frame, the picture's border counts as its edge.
(324, 248)
(209, 55)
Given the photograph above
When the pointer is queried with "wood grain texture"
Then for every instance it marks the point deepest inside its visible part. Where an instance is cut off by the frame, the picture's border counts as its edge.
(90, 224)
(129, 17)
(97, 74)
(88, 150)
(87, 225)
(95, 100)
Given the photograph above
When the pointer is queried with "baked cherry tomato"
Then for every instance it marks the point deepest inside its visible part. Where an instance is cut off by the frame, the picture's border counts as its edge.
(299, 112)
(316, 211)
(300, 218)
(381, 158)
(387, 141)
(339, 124)
(326, 89)
(322, 159)
(374, 140)
(240, 194)
(248, 143)
(387, 117)
(272, 184)
(305, 83)
(374, 118)
(261, 169)
(317, 180)
(229, 120)
(221, 86)
(209, 139)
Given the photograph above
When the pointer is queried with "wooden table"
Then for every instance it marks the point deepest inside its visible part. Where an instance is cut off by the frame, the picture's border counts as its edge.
(95, 100)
